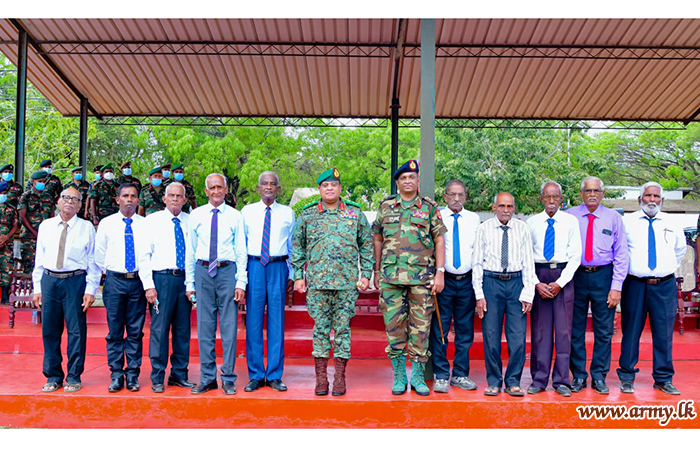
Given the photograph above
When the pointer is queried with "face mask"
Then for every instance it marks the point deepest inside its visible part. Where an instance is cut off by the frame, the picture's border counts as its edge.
(7, 176)
(78, 176)
(3, 198)
(40, 186)
(166, 174)
(179, 176)
(109, 176)
(98, 177)
(127, 171)
(48, 170)
(156, 182)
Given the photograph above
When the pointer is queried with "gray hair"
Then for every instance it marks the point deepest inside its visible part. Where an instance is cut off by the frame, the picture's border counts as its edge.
(175, 183)
(587, 179)
(268, 172)
(495, 197)
(549, 182)
(451, 182)
(80, 196)
(649, 184)
(206, 181)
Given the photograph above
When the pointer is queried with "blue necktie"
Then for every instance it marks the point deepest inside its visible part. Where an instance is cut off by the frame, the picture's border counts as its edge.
(213, 241)
(265, 249)
(652, 244)
(179, 245)
(130, 257)
(548, 249)
(456, 256)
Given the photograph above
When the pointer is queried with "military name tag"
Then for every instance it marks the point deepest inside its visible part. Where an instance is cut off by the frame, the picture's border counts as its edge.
(608, 232)
(420, 214)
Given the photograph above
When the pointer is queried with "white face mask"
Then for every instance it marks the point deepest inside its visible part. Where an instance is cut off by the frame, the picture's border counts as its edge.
(109, 176)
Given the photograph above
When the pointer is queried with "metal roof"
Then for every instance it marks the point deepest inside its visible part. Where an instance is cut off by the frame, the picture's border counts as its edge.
(612, 69)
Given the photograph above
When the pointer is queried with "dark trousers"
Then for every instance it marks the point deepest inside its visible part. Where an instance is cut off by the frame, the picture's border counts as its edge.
(550, 322)
(660, 303)
(215, 300)
(174, 314)
(61, 300)
(125, 303)
(593, 288)
(502, 300)
(456, 301)
(267, 285)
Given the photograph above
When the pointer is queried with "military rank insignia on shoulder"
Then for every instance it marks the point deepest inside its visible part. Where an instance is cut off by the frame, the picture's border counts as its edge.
(391, 197)
(351, 203)
(310, 205)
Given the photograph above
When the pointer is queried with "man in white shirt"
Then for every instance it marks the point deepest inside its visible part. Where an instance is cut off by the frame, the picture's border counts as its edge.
(656, 248)
(504, 282)
(120, 250)
(457, 298)
(163, 277)
(65, 281)
(557, 249)
(215, 266)
(268, 229)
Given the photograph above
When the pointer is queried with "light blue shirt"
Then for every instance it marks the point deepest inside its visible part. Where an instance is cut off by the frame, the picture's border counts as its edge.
(281, 229)
(231, 244)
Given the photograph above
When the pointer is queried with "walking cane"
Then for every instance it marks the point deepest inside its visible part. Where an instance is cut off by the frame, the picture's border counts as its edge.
(437, 310)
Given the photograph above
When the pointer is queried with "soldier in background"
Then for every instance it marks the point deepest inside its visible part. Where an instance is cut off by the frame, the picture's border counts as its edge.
(165, 172)
(9, 222)
(230, 199)
(97, 172)
(179, 176)
(104, 195)
(126, 176)
(82, 186)
(409, 249)
(35, 206)
(53, 183)
(14, 189)
(151, 197)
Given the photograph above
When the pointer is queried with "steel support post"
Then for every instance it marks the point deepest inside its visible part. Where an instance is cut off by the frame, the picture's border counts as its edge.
(394, 142)
(83, 135)
(21, 107)
(427, 107)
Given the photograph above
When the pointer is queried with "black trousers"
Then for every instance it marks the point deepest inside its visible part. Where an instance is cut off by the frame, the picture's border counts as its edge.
(174, 314)
(61, 300)
(125, 302)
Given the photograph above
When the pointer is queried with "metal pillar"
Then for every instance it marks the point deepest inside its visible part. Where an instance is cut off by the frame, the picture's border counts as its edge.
(83, 135)
(427, 107)
(21, 107)
(394, 142)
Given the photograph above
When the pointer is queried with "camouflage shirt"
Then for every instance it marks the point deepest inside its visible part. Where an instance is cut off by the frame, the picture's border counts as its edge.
(130, 179)
(53, 186)
(152, 200)
(8, 218)
(14, 192)
(189, 192)
(39, 206)
(332, 242)
(408, 249)
(83, 187)
(105, 194)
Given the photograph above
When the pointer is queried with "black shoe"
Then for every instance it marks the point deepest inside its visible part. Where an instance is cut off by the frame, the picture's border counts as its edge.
(578, 384)
(228, 387)
(202, 388)
(534, 389)
(132, 384)
(600, 387)
(172, 381)
(627, 386)
(158, 388)
(254, 385)
(277, 385)
(116, 385)
(667, 388)
(563, 390)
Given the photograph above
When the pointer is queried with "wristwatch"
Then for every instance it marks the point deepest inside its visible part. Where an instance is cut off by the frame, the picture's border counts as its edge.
(441, 269)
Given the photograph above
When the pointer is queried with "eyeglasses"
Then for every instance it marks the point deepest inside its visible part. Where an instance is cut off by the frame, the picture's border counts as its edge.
(456, 194)
(69, 199)
(551, 197)
(592, 191)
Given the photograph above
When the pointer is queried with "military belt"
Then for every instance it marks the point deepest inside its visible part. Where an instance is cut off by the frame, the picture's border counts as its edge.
(503, 276)
(64, 274)
(550, 265)
(127, 275)
(272, 258)
(652, 280)
(459, 277)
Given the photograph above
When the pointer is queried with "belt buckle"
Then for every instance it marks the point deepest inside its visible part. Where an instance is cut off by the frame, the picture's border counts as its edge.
(177, 272)
(553, 265)
(653, 281)
(504, 277)
(130, 275)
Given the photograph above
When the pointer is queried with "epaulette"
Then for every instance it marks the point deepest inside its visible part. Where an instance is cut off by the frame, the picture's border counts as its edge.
(310, 205)
(430, 201)
(348, 202)
(391, 197)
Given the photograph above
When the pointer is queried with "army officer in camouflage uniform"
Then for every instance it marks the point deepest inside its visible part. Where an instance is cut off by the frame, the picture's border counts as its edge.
(179, 176)
(104, 195)
(35, 206)
(151, 196)
(9, 222)
(126, 176)
(331, 236)
(409, 249)
(14, 189)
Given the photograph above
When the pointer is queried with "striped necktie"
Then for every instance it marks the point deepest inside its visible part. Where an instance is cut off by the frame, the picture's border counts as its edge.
(265, 249)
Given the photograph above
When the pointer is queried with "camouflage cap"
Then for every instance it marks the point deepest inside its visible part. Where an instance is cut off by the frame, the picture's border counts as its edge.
(409, 166)
(329, 175)
(39, 174)
(98, 168)
(179, 166)
(3, 186)
(46, 162)
(7, 167)
(125, 164)
(155, 170)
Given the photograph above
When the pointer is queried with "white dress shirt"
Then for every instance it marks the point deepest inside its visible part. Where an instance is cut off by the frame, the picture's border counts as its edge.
(670, 244)
(487, 255)
(567, 242)
(231, 244)
(110, 249)
(160, 246)
(79, 252)
(281, 229)
(468, 223)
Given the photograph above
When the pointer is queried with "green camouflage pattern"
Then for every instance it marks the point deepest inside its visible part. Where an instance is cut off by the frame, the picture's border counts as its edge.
(332, 242)
(129, 179)
(230, 200)
(152, 199)
(53, 186)
(408, 251)
(189, 193)
(14, 193)
(83, 187)
(331, 309)
(8, 219)
(407, 312)
(39, 206)
(105, 195)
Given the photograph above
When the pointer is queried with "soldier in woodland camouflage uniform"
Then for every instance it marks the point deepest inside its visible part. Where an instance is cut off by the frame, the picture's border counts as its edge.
(9, 222)
(408, 243)
(104, 194)
(35, 206)
(179, 176)
(90, 200)
(53, 183)
(331, 236)
(127, 177)
(78, 182)
(151, 197)
(14, 190)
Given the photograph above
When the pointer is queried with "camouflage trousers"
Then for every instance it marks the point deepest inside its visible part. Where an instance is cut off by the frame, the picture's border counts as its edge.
(407, 311)
(28, 254)
(331, 309)
(6, 262)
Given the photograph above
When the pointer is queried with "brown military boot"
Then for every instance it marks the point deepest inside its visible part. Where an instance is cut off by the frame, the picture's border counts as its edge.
(321, 376)
(339, 380)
